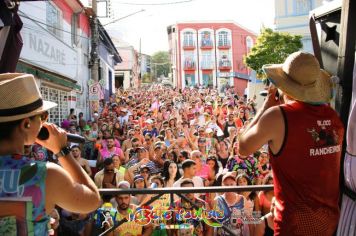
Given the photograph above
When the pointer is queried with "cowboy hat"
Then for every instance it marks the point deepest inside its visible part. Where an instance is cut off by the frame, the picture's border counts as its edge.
(301, 78)
(20, 97)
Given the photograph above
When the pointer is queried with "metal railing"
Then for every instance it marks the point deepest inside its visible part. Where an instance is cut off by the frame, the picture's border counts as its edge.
(180, 192)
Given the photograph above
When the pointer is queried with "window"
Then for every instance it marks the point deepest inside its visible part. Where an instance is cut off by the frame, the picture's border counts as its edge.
(207, 80)
(249, 43)
(74, 29)
(189, 60)
(224, 61)
(206, 62)
(223, 39)
(188, 39)
(53, 19)
(303, 6)
(60, 112)
(205, 39)
(190, 80)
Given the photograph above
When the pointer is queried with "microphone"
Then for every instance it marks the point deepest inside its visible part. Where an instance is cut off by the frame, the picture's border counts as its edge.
(72, 138)
(264, 93)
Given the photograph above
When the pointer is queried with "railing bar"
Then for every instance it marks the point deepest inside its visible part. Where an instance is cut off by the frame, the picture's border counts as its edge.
(187, 190)
(154, 198)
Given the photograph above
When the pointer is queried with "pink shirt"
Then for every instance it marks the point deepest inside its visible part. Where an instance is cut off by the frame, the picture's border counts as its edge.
(104, 152)
(204, 172)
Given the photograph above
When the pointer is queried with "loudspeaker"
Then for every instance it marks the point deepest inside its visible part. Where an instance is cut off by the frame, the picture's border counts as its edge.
(328, 27)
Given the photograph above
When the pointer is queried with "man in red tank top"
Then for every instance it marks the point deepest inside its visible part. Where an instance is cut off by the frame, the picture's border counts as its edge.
(305, 141)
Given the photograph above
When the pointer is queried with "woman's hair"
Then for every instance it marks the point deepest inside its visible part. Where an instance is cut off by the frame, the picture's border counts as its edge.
(267, 178)
(160, 137)
(227, 144)
(7, 129)
(170, 123)
(253, 194)
(165, 173)
(185, 154)
(159, 178)
(216, 166)
(175, 156)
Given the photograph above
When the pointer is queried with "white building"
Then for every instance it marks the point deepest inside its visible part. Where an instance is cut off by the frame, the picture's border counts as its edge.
(56, 51)
(292, 16)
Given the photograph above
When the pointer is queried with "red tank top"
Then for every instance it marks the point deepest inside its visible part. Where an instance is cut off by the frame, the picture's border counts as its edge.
(306, 171)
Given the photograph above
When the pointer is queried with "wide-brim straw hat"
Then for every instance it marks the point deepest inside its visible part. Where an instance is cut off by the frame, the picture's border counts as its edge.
(301, 78)
(20, 97)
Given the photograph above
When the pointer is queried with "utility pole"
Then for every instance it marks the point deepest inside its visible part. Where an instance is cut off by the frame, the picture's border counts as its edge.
(94, 58)
(139, 66)
(94, 44)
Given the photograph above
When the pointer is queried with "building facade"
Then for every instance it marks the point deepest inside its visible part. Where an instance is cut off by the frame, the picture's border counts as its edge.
(56, 51)
(127, 73)
(292, 16)
(210, 54)
(145, 64)
(109, 57)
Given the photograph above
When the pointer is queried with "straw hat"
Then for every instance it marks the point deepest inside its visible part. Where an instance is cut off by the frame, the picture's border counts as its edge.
(20, 97)
(301, 78)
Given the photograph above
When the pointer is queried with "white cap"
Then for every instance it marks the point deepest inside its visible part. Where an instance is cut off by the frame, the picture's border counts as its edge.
(209, 130)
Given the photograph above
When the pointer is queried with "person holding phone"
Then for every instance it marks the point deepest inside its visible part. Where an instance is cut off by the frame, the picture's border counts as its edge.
(22, 114)
(305, 136)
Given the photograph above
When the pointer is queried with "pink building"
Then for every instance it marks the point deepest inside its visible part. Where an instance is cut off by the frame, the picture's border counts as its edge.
(210, 54)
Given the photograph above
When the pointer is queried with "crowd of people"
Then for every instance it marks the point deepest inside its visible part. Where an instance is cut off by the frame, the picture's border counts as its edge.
(171, 137)
(161, 137)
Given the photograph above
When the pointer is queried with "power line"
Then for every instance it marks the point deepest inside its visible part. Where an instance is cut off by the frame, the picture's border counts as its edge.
(53, 27)
(155, 4)
(134, 13)
(59, 29)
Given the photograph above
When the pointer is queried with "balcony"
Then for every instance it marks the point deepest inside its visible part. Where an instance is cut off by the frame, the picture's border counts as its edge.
(206, 65)
(189, 66)
(206, 44)
(224, 45)
(225, 64)
(188, 45)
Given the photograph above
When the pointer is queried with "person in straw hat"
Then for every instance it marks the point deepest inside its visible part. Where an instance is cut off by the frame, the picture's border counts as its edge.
(22, 114)
(305, 141)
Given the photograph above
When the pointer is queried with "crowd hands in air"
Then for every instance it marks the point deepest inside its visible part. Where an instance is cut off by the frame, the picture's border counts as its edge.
(163, 137)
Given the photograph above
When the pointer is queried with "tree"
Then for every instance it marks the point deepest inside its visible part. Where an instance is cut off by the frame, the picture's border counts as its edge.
(271, 48)
(160, 64)
(146, 78)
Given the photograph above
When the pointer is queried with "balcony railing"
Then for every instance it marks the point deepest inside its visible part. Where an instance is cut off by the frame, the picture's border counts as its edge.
(224, 65)
(224, 44)
(189, 65)
(206, 44)
(188, 45)
(206, 65)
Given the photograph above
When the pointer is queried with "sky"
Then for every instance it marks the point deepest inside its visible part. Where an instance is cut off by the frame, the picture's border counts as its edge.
(151, 24)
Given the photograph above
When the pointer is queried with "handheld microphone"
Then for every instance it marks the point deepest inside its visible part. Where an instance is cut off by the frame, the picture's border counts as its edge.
(264, 93)
(72, 138)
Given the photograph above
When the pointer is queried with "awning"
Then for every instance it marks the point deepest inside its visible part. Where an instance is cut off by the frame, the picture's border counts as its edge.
(47, 75)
